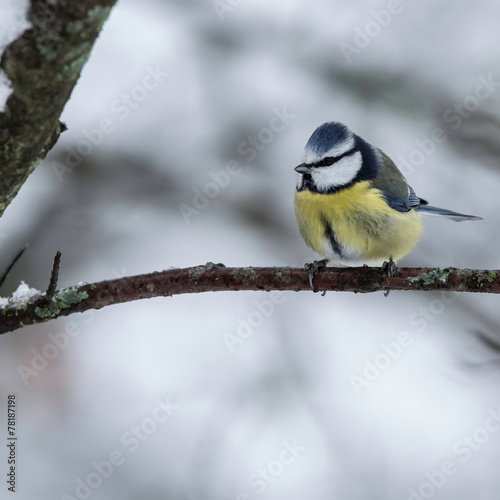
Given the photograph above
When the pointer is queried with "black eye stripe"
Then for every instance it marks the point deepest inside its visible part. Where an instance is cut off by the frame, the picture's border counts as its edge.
(330, 160)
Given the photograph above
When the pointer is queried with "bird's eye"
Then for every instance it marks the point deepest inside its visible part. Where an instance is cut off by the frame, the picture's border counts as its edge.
(327, 161)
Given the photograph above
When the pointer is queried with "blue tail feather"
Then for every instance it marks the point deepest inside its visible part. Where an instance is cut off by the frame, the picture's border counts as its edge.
(442, 212)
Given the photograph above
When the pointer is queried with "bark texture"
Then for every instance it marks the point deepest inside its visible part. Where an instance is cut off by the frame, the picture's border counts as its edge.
(43, 65)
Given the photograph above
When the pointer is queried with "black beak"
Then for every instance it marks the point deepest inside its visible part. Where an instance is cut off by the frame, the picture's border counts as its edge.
(303, 168)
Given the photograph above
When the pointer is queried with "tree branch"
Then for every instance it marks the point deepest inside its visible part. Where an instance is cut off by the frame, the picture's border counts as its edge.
(43, 65)
(216, 278)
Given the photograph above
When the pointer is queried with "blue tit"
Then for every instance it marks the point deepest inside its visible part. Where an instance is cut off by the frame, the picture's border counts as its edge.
(352, 203)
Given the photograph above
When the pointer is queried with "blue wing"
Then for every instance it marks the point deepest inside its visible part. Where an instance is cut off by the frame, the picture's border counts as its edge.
(404, 203)
(393, 186)
(401, 197)
(413, 201)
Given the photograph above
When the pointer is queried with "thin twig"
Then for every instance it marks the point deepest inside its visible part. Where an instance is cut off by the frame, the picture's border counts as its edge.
(54, 276)
(8, 269)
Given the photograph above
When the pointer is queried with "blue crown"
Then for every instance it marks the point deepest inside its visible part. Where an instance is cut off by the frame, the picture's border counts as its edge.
(326, 136)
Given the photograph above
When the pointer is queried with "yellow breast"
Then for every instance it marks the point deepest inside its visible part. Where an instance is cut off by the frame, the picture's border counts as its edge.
(359, 221)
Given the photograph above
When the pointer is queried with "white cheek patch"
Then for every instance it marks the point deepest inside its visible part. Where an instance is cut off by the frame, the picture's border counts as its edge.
(339, 174)
(312, 157)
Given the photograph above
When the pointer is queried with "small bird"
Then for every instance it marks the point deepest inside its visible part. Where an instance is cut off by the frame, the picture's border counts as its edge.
(352, 203)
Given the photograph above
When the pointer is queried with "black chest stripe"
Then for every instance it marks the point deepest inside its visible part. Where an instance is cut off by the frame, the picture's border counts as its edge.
(337, 248)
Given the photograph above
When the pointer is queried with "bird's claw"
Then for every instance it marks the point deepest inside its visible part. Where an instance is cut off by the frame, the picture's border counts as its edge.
(388, 268)
(311, 268)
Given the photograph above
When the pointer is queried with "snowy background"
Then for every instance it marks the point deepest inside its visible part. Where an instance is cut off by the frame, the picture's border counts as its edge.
(150, 399)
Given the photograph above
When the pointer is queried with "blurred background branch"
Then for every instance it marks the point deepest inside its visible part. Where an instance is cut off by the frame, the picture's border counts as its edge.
(43, 65)
(216, 278)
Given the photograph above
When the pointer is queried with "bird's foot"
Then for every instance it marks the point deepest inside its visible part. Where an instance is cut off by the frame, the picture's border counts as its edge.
(311, 268)
(388, 268)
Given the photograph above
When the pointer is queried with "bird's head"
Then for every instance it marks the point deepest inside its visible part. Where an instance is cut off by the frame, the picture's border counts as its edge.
(334, 158)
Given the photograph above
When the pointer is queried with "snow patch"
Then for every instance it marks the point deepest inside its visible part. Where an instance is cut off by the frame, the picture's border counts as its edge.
(20, 297)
